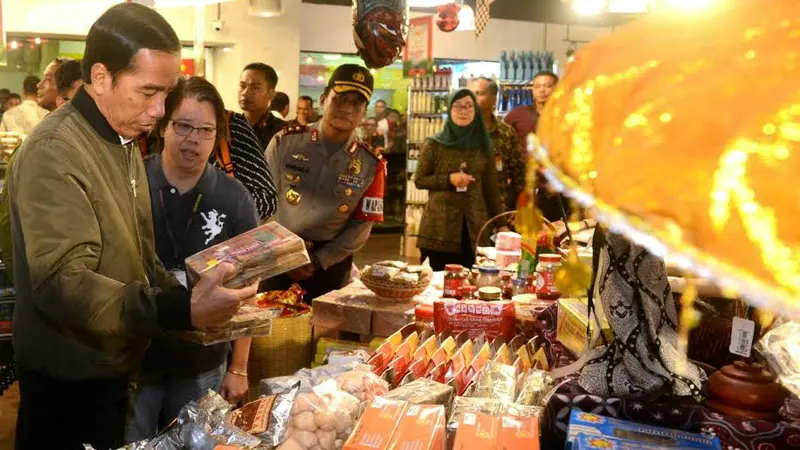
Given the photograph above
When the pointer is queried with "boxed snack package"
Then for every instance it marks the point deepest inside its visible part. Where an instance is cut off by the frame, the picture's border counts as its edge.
(465, 405)
(377, 425)
(518, 433)
(594, 425)
(258, 254)
(475, 317)
(422, 427)
(571, 324)
(477, 431)
(591, 442)
(498, 381)
(249, 321)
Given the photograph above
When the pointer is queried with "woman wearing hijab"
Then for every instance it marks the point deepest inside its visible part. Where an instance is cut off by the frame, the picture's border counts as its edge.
(455, 166)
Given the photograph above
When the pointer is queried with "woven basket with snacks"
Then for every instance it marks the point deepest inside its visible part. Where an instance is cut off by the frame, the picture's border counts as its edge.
(396, 280)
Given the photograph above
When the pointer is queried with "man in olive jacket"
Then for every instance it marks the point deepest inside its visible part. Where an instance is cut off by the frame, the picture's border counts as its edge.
(90, 289)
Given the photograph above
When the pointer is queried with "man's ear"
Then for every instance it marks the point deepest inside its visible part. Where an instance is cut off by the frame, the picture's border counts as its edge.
(102, 80)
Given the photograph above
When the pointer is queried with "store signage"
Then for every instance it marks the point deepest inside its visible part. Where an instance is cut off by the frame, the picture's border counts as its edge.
(418, 55)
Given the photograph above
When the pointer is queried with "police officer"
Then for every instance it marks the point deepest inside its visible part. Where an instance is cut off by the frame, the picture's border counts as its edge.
(330, 184)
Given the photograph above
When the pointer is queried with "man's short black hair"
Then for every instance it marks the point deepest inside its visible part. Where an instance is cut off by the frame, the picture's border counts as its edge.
(547, 73)
(13, 95)
(29, 84)
(68, 73)
(4, 91)
(280, 102)
(120, 33)
(308, 99)
(380, 101)
(269, 73)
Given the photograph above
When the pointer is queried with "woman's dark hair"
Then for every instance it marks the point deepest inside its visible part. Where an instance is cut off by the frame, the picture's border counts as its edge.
(120, 33)
(67, 73)
(202, 91)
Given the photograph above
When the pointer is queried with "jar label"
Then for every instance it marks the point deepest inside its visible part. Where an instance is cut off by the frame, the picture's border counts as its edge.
(545, 284)
(452, 286)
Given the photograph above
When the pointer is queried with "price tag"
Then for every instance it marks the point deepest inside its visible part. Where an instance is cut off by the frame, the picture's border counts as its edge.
(742, 337)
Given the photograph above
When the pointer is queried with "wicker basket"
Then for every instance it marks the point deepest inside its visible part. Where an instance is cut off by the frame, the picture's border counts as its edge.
(286, 351)
(394, 291)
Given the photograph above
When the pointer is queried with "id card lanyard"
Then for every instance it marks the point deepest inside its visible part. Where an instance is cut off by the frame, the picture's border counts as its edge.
(176, 246)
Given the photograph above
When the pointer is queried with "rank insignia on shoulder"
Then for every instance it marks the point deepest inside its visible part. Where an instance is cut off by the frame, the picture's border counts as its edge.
(294, 129)
(372, 150)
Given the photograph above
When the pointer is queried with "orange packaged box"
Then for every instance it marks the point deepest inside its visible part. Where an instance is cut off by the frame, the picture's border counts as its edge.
(519, 433)
(477, 431)
(377, 425)
(421, 428)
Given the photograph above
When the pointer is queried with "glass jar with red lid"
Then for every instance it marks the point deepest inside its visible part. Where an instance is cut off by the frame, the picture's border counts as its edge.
(453, 281)
(545, 276)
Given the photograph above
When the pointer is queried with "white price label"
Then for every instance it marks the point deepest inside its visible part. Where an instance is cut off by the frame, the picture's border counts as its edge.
(470, 419)
(742, 337)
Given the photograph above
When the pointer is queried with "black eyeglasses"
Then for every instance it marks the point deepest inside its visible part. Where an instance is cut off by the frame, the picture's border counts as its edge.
(183, 129)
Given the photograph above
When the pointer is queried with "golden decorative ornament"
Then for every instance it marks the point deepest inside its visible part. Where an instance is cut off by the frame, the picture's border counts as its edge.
(355, 166)
(343, 208)
(291, 178)
(348, 192)
(293, 197)
(687, 144)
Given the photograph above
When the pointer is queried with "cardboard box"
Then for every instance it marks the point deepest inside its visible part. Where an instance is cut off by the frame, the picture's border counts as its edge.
(355, 309)
(421, 428)
(571, 328)
(599, 426)
(477, 431)
(518, 433)
(377, 425)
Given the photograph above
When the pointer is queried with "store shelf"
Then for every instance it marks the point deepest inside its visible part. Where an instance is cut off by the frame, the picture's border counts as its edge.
(432, 91)
(429, 115)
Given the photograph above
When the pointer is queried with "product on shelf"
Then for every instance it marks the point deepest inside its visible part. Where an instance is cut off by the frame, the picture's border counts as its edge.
(377, 425)
(322, 418)
(498, 381)
(475, 317)
(249, 321)
(266, 418)
(423, 392)
(258, 254)
(422, 427)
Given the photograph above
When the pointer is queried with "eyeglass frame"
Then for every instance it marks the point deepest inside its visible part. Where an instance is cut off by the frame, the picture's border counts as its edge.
(192, 128)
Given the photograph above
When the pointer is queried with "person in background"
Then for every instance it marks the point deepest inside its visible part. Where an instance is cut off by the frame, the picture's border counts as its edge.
(188, 195)
(280, 105)
(28, 114)
(46, 90)
(12, 101)
(68, 80)
(305, 111)
(256, 90)
(380, 109)
(456, 166)
(90, 289)
(370, 135)
(330, 184)
(508, 160)
(4, 93)
(525, 119)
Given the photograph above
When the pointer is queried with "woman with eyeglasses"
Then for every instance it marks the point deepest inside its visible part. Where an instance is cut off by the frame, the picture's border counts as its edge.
(194, 205)
(457, 168)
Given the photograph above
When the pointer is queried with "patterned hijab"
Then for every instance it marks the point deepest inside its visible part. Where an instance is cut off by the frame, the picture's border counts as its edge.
(473, 135)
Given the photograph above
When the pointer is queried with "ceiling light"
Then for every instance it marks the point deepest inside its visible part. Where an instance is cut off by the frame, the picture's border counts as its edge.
(588, 7)
(309, 60)
(466, 19)
(14, 45)
(227, 49)
(688, 4)
(37, 41)
(372, 71)
(628, 6)
(266, 8)
(332, 57)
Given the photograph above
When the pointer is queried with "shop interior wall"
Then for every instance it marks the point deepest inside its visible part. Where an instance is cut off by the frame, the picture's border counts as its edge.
(498, 36)
(275, 40)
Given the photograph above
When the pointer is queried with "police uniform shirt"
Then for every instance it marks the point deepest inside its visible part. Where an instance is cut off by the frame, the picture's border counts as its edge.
(325, 194)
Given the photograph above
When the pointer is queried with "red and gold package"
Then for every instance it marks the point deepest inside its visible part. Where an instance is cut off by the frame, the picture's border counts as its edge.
(477, 431)
(475, 317)
(518, 433)
(438, 373)
(443, 353)
(481, 358)
(385, 353)
(426, 350)
(503, 356)
(377, 425)
(421, 428)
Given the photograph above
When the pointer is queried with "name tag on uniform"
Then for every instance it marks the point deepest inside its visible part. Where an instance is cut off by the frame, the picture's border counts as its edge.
(181, 276)
(372, 205)
(353, 181)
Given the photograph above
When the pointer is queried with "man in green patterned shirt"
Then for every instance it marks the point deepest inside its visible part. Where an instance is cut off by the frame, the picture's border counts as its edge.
(508, 159)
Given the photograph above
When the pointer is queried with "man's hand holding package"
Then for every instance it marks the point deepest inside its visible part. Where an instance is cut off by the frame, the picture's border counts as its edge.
(213, 304)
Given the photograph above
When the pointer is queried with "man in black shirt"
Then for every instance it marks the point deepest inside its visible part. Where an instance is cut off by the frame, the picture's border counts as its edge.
(256, 90)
